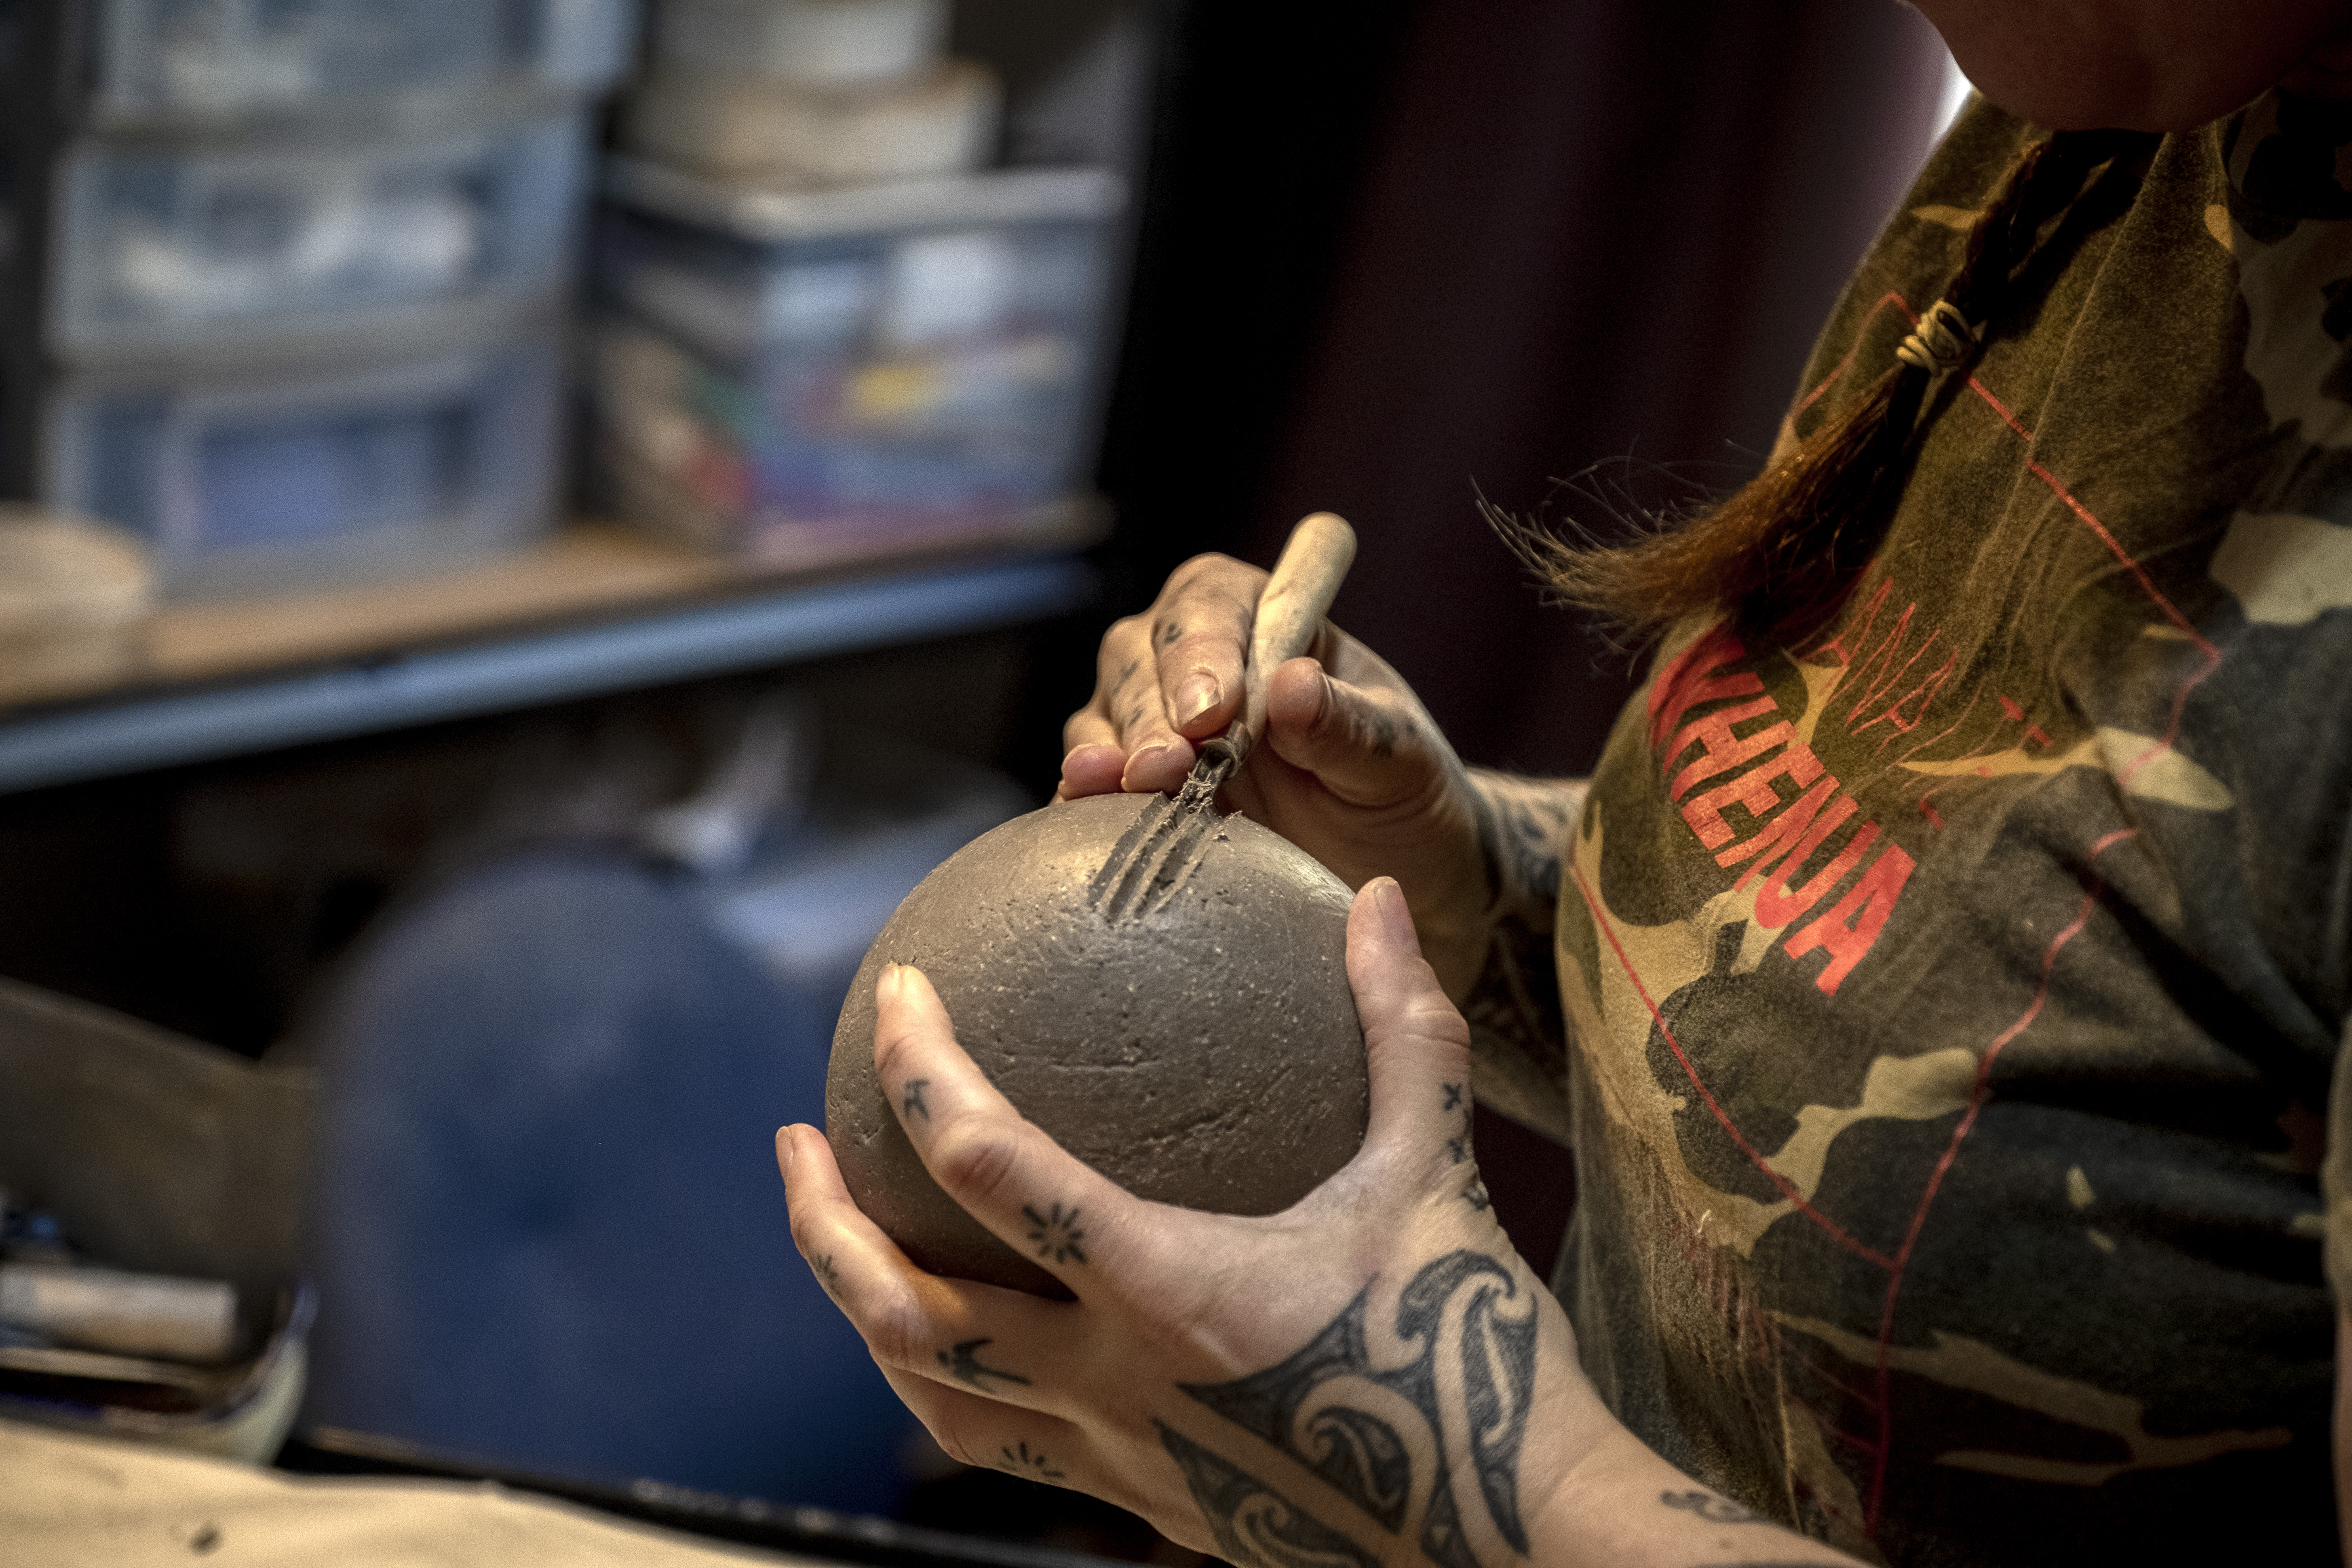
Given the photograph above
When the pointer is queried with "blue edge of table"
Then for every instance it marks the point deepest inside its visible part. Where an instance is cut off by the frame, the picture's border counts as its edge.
(61, 743)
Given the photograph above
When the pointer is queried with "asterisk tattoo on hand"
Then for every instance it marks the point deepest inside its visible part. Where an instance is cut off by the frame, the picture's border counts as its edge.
(1056, 1234)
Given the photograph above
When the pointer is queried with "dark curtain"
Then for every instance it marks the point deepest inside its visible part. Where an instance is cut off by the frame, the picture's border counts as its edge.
(1397, 254)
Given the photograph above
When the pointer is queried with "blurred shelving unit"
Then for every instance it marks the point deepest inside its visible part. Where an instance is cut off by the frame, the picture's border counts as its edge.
(593, 609)
(257, 646)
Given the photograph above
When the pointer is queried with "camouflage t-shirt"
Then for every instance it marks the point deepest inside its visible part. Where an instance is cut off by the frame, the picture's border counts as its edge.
(1955, 997)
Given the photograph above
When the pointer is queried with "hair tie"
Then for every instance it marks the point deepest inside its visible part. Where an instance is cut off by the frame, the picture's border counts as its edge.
(1942, 340)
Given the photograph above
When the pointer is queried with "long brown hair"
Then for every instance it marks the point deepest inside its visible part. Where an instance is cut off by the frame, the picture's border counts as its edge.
(1783, 552)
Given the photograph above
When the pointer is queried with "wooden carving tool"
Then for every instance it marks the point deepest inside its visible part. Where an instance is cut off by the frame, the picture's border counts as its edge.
(1298, 597)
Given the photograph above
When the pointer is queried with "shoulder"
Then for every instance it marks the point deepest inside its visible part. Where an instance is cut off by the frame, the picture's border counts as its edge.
(1923, 239)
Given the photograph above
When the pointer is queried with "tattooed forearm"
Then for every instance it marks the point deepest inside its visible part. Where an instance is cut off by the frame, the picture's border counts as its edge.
(1518, 1031)
(964, 1364)
(1474, 1331)
(1713, 1509)
(1056, 1232)
(1523, 831)
(1255, 1526)
(1519, 1034)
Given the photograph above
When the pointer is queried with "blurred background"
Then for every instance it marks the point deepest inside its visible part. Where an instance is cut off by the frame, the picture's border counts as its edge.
(532, 523)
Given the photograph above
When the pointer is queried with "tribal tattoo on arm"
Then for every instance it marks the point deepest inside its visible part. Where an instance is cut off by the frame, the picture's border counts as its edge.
(1411, 1445)
(1255, 1526)
(1516, 1028)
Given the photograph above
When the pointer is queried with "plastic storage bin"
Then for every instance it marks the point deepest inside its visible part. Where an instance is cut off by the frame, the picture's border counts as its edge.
(160, 250)
(256, 479)
(178, 59)
(808, 377)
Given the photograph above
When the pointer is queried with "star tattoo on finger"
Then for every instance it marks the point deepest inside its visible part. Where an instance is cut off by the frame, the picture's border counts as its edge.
(1056, 1234)
(964, 1364)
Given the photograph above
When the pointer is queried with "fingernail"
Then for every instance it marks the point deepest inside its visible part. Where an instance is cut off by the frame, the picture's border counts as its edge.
(1395, 916)
(886, 989)
(1147, 757)
(791, 1150)
(1196, 696)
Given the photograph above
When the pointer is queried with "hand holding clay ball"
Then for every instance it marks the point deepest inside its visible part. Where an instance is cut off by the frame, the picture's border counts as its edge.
(1161, 988)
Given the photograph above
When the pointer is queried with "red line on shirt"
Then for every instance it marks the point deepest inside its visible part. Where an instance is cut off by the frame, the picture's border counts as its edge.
(1977, 1094)
(2114, 546)
(1981, 1091)
(1787, 1189)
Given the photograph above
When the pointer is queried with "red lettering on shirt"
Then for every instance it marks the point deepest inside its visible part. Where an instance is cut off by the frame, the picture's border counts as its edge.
(1877, 670)
(1689, 679)
(1788, 830)
(1774, 905)
(1852, 924)
(1916, 700)
(1791, 823)
(1720, 750)
(1752, 792)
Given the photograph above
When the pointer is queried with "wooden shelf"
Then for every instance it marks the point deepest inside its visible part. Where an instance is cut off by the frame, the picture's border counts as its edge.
(579, 570)
(593, 609)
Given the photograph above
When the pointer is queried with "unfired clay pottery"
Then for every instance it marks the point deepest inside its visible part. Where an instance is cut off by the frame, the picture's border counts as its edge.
(1163, 990)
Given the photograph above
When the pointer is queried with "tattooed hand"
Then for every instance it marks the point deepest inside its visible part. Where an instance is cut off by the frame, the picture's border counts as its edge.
(1372, 1376)
(1351, 768)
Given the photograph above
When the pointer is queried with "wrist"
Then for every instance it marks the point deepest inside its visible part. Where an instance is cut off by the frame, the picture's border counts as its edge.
(1523, 827)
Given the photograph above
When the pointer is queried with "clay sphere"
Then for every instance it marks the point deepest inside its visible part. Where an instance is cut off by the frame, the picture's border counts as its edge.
(1162, 990)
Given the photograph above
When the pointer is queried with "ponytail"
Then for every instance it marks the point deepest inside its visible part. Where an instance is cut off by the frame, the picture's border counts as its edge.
(1783, 552)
